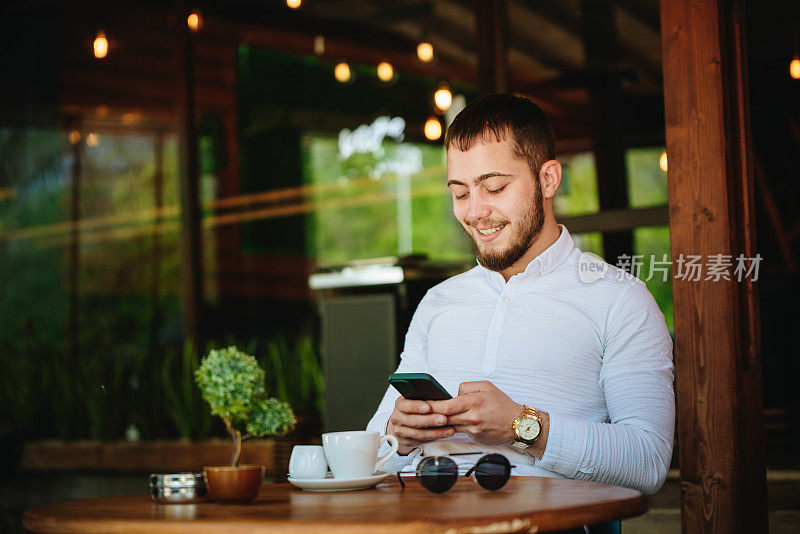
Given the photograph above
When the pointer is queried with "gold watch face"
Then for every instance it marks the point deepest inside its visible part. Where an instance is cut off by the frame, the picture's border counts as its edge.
(528, 428)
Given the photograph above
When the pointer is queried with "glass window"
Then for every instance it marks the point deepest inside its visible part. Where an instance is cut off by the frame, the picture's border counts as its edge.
(577, 194)
(390, 201)
(89, 307)
(652, 244)
(589, 242)
(647, 182)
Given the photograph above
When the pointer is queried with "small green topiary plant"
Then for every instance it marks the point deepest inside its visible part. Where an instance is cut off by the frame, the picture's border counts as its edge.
(233, 384)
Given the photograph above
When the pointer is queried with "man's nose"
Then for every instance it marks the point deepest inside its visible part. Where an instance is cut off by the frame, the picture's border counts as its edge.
(478, 208)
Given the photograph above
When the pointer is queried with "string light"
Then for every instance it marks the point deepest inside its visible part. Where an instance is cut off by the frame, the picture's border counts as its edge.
(385, 71)
(74, 137)
(194, 21)
(794, 67)
(294, 4)
(92, 139)
(433, 129)
(662, 161)
(100, 45)
(425, 52)
(342, 73)
(443, 98)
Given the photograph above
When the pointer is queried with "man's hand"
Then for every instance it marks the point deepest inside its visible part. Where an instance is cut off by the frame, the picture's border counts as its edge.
(482, 411)
(412, 423)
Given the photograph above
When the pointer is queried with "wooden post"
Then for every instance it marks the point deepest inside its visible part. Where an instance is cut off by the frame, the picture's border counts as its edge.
(718, 360)
(491, 30)
(191, 266)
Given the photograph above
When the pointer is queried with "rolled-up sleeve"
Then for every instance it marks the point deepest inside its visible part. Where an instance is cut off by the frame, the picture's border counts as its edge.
(634, 447)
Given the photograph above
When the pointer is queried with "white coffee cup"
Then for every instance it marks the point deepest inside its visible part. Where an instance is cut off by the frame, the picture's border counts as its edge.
(308, 461)
(354, 454)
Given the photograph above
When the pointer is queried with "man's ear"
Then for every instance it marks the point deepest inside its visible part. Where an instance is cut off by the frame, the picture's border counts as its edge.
(550, 178)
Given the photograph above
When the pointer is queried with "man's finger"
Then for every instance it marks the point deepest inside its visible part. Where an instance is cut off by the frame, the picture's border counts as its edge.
(474, 387)
(420, 434)
(421, 421)
(465, 418)
(453, 406)
(412, 406)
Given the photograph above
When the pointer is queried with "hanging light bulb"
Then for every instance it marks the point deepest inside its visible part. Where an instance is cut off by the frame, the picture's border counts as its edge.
(794, 67)
(385, 71)
(342, 72)
(443, 98)
(433, 129)
(425, 52)
(194, 21)
(662, 161)
(92, 139)
(100, 45)
(74, 136)
(294, 4)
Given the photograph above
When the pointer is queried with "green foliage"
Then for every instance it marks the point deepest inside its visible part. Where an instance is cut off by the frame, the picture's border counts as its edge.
(183, 401)
(647, 183)
(233, 385)
(294, 373)
(653, 243)
(577, 194)
(270, 417)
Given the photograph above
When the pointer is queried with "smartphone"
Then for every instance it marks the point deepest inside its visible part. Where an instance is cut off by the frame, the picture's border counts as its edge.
(418, 386)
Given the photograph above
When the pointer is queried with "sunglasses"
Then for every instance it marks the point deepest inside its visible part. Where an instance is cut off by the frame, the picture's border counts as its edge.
(439, 473)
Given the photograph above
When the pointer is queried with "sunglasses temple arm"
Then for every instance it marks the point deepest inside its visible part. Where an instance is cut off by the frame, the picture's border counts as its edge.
(468, 473)
(400, 478)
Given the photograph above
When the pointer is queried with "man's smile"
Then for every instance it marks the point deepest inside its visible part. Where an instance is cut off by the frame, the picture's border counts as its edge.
(489, 233)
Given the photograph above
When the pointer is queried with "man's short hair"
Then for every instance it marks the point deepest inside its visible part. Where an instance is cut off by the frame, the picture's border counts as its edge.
(501, 114)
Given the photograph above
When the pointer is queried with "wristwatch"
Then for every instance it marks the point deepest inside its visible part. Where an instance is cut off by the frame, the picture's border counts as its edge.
(527, 428)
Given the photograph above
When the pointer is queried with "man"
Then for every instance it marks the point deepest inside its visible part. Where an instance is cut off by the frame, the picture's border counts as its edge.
(584, 367)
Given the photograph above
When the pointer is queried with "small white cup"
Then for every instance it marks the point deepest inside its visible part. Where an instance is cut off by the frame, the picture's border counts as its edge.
(308, 461)
(355, 454)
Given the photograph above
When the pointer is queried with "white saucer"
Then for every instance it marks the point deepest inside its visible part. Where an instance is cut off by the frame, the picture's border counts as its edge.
(338, 484)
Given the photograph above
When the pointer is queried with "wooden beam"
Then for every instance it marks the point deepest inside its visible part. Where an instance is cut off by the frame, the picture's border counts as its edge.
(492, 45)
(617, 220)
(642, 12)
(555, 13)
(717, 346)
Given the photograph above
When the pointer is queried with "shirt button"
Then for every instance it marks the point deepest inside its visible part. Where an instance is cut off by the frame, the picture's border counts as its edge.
(506, 299)
(496, 331)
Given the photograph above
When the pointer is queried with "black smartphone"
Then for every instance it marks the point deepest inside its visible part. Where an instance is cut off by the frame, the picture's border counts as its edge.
(418, 386)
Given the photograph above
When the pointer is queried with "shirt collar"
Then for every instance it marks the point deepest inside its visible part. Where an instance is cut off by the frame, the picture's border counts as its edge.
(545, 262)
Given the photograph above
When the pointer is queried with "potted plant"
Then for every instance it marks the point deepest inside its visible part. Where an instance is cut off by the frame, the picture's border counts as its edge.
(233, 385)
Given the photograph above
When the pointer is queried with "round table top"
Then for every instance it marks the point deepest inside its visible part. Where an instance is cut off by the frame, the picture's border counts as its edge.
(525, 504)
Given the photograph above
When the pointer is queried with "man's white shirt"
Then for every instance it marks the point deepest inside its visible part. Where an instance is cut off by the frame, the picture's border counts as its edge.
(596, 356)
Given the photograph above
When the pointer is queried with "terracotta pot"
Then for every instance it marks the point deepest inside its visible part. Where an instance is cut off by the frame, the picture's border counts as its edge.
(234, 484)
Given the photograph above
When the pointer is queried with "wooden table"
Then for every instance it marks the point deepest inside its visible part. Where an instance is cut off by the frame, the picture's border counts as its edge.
(526, 504)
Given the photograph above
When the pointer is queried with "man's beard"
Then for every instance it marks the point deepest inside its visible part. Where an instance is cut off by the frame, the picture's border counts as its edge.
(529, 229)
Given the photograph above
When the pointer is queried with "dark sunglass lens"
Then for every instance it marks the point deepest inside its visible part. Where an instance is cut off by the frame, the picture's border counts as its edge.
(492, 471)
(437, 474)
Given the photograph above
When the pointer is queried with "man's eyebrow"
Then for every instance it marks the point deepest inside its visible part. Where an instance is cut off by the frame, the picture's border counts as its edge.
(479, 179)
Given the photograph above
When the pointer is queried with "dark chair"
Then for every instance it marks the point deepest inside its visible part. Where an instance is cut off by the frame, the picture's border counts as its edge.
(612, 527)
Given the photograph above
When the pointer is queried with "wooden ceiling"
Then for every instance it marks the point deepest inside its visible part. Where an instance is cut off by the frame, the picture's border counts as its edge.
(546, 38)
